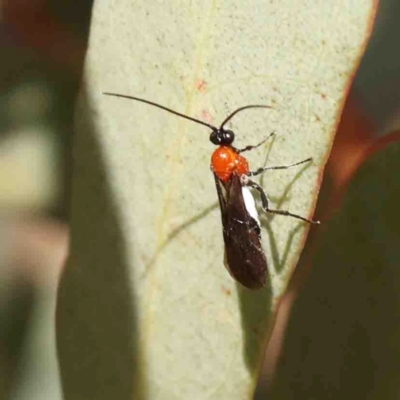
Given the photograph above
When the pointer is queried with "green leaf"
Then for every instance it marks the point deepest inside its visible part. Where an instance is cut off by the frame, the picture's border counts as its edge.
(146, 308)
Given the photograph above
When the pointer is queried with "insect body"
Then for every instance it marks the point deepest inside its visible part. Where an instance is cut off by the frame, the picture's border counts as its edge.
(244, 256)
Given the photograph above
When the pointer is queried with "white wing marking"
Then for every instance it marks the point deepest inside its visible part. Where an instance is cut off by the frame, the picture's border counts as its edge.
(250, 203)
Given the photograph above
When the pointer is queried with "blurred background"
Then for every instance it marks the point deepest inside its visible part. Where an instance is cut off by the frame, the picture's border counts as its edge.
(42, 51)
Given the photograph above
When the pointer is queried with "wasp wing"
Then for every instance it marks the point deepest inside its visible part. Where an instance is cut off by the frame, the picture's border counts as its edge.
(244, 256)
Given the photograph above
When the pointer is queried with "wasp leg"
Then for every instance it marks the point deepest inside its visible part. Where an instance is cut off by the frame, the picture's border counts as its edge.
(263, 169)
(265, 205)
(247, 148)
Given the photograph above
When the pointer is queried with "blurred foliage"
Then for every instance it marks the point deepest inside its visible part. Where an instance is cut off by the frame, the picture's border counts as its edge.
(42, 52)
(43, 46)
(342, 341)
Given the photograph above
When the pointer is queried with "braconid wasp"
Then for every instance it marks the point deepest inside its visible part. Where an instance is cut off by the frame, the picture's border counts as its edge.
(244, 256)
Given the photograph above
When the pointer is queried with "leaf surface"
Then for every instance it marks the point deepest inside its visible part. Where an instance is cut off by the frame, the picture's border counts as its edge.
(146, 308)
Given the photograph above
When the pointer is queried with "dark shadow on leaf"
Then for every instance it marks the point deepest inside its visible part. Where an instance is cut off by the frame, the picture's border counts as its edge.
(97, 334)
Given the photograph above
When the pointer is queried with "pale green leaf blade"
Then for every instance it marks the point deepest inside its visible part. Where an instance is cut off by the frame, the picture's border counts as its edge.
(146, 308)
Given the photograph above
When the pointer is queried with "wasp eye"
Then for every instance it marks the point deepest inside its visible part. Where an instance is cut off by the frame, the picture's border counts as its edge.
(228, 137)
(215, 137)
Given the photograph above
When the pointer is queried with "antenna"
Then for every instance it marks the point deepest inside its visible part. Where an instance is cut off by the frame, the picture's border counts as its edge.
(212, 127)
(163, 108)
(229, 117)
